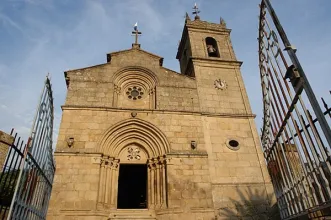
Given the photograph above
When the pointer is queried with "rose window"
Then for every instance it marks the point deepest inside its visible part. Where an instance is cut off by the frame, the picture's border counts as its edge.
(134, 92)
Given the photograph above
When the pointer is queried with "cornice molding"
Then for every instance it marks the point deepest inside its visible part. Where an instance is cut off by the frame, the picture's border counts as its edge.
(159, 111)
(217, 60)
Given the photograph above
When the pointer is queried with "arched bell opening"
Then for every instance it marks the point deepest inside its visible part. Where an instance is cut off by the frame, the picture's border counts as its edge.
(212, 48)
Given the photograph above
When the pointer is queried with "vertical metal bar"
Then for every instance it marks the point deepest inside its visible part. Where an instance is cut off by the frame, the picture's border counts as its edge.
(309, 91)
(300, 153)
(29, 209)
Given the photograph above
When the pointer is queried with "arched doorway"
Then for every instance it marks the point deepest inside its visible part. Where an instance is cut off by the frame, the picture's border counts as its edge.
(133, 178)
(133, 168)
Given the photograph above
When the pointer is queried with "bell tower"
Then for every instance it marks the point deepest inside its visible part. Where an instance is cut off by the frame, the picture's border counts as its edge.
(236, 162)
(205, 52)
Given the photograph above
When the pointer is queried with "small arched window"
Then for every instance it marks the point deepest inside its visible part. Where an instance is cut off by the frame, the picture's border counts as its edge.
(212, 49)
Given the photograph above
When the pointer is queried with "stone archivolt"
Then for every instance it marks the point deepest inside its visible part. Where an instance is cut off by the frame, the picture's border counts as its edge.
(116, 144)
(134, 131)
(135, 76)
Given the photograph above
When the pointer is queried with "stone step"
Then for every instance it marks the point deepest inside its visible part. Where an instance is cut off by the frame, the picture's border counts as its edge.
(132, 214)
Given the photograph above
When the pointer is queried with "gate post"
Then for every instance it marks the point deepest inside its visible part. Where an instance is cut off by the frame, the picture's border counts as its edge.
(6, 141)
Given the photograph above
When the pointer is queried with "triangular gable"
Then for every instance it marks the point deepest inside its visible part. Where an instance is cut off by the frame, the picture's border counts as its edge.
(134, 50)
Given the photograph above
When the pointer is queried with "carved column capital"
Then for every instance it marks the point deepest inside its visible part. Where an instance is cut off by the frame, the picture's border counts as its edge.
(102, 162)
(117, 89)
(115, 163)
(162, 159)
(150, 163)
(151, 91)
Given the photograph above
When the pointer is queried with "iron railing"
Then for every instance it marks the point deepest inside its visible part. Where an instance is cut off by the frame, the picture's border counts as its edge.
(9, 174)
(296, 135)
(27, 176)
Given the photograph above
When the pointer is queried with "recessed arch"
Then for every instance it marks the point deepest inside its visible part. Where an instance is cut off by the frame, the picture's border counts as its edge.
(135, 72)
(130, 76)
(134, 131)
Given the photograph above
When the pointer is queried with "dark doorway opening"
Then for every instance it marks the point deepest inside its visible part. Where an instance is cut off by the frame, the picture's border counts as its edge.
(132, 186)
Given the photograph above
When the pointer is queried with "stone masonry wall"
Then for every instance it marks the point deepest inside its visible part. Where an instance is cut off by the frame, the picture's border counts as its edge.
(94, 87)
(75, 184)
(6, 141)
(231, 100)
(88, 126)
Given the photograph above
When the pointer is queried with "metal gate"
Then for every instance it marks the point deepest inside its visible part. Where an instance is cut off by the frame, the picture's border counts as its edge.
(296, 134)
(27, 175)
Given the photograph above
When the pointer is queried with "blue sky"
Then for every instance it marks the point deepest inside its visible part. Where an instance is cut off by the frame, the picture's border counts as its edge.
(41, 36)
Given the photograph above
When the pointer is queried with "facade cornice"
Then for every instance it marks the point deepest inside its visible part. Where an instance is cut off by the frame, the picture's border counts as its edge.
(217, 60)
(159, 111)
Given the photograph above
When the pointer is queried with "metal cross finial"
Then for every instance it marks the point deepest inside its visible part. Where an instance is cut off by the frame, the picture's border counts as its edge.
(136, 32)
(196, 11)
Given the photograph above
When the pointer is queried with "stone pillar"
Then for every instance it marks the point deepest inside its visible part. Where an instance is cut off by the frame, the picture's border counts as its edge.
(157, 185)
(6, 141)
(117, 91)
(108, 183)
(152, 99)
(150, 184)
(154, 182)
(164, 182)
(102, 182)
(114, 181)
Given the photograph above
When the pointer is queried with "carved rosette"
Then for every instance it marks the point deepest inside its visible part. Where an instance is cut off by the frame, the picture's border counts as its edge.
(134, 153)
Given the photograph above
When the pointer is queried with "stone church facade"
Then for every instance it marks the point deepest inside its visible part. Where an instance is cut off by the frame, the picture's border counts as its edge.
(140, 141)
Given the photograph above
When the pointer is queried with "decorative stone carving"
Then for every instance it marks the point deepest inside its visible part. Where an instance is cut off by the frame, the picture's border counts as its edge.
(135, 92)
(151, 91)
(134, 153)
(117, 89)
(133, 114)
(220, 84)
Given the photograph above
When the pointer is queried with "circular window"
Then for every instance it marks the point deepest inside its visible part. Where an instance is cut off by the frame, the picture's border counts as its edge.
(233, 144)
(134, 92)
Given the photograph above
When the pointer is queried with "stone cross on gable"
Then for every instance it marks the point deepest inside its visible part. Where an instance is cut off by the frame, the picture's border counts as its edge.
(136, 32)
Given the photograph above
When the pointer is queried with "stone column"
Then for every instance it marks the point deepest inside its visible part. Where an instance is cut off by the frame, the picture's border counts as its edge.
(117, 91)
(152, 99)
(158, 184)
(114, 188)
(102, 182)
(164, 182)
(6, 141)
(154, 183)
(108, 183)
(150, 188)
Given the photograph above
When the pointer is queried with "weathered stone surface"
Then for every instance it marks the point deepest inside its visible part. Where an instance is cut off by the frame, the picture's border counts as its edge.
(174, 110)
(6, 141)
